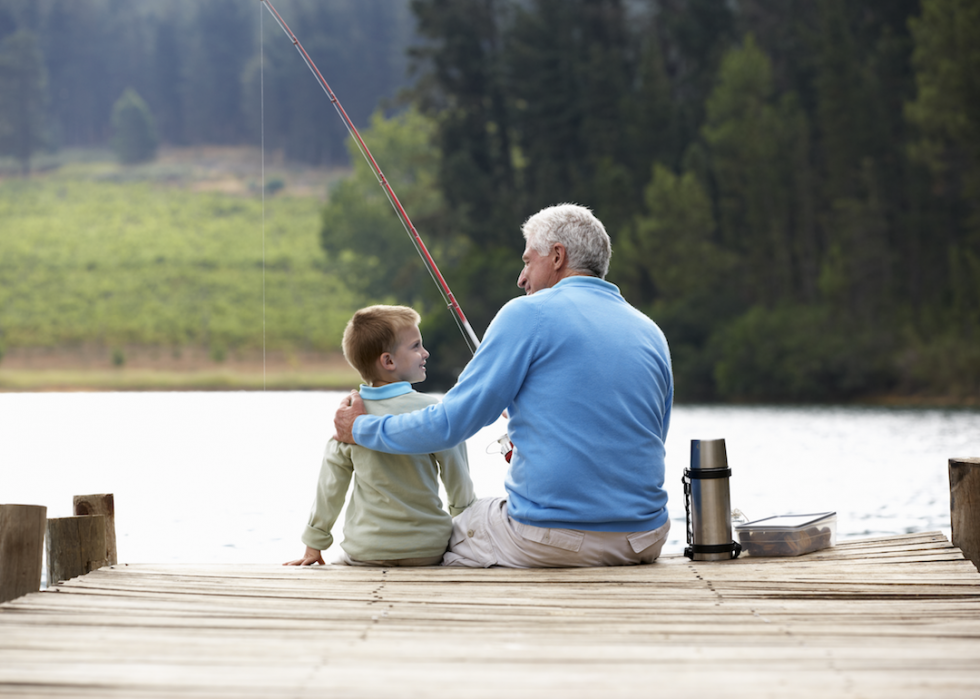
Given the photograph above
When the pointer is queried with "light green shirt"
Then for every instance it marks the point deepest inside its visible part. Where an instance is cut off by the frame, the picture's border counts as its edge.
(395, 510)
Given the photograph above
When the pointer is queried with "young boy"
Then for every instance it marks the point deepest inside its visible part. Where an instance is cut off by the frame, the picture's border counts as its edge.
(395, 515)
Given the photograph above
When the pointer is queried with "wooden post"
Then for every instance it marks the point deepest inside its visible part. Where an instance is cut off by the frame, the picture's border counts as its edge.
(101, 504)
(964, 506)
(76, 546)
(21, 549)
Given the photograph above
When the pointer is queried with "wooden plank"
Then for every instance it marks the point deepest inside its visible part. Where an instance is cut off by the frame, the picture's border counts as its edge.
(890, 617)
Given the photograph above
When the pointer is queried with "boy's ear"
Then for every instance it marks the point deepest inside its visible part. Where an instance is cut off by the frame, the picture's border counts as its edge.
(387, 361)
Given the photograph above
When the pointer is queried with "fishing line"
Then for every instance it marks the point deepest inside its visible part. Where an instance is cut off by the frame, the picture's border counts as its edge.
(262, 183)
(464, 326)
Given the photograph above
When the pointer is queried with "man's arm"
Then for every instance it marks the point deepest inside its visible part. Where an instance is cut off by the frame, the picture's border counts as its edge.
(484, 390)
(351, 407)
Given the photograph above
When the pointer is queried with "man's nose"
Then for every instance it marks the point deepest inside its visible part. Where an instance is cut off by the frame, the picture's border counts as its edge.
(521, 279)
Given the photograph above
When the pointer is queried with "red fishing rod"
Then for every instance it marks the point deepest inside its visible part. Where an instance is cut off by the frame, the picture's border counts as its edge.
(464, 326)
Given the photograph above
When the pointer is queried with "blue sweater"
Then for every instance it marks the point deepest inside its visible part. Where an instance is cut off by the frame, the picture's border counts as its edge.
(586, 380)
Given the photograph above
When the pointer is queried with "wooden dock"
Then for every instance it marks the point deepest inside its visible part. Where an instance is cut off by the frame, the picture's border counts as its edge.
(888, 617)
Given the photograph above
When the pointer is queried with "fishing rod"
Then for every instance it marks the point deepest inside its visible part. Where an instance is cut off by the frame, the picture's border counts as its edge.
(464, 326)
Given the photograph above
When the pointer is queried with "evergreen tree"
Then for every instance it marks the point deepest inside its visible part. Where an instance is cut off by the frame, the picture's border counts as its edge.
(946, 109)
(753, 138)
(360, 50)
(693, 35)
(671, 264)
(134, 137)
(462, 84)
(861, 77)
(300, 121)
(546, 74)
(165, 68)
(216, 56)
(673, 241)
(23, 85)
(946, 115)
(571, 71)
(465, 88)
(187, 60)
(652, 131)
(78, 49)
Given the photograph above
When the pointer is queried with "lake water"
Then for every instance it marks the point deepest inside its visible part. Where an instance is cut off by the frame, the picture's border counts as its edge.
(230, 477)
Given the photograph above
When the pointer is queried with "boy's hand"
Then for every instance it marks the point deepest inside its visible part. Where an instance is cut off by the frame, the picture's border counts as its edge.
(309, 558)
(351, 407)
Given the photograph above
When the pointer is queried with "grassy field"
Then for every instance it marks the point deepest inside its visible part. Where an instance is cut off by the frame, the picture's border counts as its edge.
(174, 256)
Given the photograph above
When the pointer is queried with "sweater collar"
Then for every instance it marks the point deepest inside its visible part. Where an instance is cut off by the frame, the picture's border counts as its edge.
(587, 281)
(390, 390)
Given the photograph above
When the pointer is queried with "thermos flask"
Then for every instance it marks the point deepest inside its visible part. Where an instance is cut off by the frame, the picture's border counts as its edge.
(707, 500)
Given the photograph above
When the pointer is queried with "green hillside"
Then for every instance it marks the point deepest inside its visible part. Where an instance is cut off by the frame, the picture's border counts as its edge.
(92, 257)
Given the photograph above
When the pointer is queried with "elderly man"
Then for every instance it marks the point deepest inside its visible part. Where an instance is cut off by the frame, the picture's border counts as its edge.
(586, 381)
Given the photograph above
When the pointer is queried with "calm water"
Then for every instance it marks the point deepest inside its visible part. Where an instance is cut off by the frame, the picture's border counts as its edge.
(230, 477)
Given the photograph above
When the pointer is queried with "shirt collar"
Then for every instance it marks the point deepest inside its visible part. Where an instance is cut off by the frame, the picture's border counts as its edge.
(390, 390)
(586, 280)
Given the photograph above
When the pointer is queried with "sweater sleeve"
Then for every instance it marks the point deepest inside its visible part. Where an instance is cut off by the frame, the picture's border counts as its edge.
(331, 491)
(669, 400)
(485, 389)
(454, 468)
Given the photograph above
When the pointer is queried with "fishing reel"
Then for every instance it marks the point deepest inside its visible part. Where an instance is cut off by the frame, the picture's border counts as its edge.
(505, 446)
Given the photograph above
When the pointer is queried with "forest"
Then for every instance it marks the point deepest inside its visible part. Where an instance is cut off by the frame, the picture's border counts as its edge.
(196, 66)
(791, 186)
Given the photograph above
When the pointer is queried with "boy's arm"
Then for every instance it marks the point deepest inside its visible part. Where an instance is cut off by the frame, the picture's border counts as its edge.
(331, 490)
(454, 468)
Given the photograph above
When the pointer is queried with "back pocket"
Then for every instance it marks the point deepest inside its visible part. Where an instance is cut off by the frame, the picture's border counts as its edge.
(565, 539)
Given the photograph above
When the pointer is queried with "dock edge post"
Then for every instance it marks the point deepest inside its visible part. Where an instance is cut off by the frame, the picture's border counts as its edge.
(75, 546)
(101, 504)
(21, 549)
(964, 506)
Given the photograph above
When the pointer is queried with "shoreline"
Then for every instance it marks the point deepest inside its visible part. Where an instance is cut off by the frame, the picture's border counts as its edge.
(238, 377)
(61, 381)
(90, 369)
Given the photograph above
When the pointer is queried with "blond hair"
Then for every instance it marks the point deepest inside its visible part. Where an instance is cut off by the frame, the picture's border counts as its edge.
(371, 332)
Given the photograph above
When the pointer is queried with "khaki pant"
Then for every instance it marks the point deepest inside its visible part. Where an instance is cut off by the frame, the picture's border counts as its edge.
(484, 536)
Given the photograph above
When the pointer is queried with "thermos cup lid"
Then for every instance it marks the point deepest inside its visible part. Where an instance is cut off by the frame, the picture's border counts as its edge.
(708, 454)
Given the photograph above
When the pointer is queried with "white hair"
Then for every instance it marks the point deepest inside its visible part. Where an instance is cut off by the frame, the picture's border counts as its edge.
(576, 228)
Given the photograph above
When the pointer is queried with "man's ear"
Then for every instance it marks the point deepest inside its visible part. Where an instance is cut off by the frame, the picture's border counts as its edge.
(559, 256)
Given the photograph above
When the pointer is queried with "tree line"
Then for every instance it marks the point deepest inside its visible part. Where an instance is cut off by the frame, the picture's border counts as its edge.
(791, 186)
(64, 64)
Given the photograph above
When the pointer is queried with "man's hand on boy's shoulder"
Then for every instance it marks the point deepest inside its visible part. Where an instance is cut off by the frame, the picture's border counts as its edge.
(351, 407)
